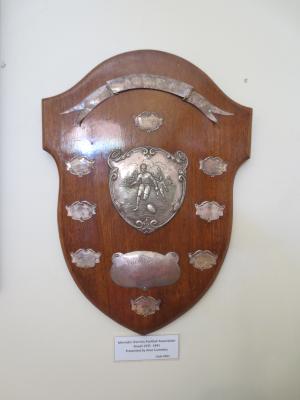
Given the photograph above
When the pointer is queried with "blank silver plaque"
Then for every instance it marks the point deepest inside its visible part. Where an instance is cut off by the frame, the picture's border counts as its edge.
(144, 269)
(213, 166)
(85, 258)
(209, 210)
(145, 305)
(203, 259)
(148, 121)
(81, 210)
(80, 166)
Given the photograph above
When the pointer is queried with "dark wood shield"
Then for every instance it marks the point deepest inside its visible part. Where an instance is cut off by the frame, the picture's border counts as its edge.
(145, 134)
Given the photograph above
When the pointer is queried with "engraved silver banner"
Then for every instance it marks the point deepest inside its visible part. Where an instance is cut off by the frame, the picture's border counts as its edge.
(146, 81)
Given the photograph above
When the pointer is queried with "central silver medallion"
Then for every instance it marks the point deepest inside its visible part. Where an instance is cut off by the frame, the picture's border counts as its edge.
(147, 185)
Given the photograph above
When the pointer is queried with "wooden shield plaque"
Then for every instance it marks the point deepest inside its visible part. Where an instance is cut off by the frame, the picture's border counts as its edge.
(147, 147)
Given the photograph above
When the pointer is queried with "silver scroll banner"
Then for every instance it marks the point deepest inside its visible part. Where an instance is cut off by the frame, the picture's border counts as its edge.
(145, 81)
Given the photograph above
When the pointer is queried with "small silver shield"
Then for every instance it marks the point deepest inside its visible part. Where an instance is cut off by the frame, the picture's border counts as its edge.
(147, 185)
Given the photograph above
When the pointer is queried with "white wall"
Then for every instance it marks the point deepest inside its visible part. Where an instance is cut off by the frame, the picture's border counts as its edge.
(241, 341)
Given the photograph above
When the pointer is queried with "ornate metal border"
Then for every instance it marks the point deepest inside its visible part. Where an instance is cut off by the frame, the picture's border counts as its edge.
(148, 225)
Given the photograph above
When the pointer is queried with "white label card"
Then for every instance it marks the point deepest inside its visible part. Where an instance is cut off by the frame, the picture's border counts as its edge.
(135, 348)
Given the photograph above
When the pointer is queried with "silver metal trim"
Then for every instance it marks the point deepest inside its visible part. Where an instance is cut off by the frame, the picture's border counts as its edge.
(146, 81)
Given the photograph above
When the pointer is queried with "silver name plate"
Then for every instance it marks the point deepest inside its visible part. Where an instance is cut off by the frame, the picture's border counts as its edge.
(144, 269)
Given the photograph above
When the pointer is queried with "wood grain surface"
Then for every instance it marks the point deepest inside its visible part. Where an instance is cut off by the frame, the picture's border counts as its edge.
(110, 126)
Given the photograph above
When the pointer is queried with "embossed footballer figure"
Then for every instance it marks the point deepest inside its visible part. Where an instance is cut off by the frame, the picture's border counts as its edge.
(144, 180)
(147, 185)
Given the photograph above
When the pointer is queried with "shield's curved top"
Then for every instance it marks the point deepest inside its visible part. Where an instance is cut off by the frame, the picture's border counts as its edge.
(147, 147)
